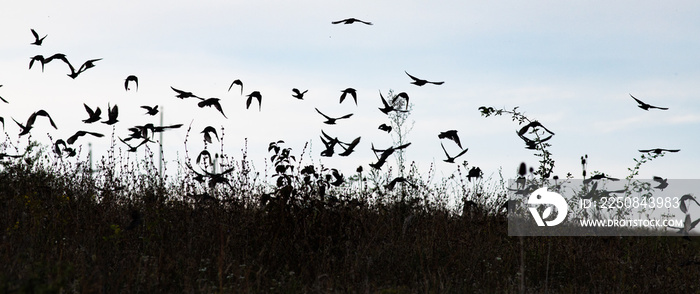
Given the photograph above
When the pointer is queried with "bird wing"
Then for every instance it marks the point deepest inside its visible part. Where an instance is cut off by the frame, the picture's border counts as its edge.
(46, 114)
(327, 117)
(657, 107)
(35, 34)
(345, 116)
(638, 101)
(443, 149)
(414, 78)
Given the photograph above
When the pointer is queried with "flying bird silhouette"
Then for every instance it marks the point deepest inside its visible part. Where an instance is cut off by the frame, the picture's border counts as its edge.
(78, 134)
(37, 40)
(207, 134)
(94, 115)
(385, 128)
(351, 21)
(183, 94)
(385, 153)
(112, 114)
(349, 148)
(88, 65)
(255, 95)
(39, 58)
(646, 106)
(347, 91)
(298, 94)
(532, 125)
(130, 79)
(150, 110)
(388, 108)
(421, 82)
(474, 172)
(400, 95)
(30, 122)
(236, 82)
(452, 135)
(57, 149)
(684, 198)
(390, 186)
(211, 102)
(451, 159)
(663, 183)
(134, 148)
(658, 150)
(687, 227)
(331, 120)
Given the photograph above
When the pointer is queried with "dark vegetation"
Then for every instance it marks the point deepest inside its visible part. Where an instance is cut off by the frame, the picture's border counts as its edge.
(121, 227)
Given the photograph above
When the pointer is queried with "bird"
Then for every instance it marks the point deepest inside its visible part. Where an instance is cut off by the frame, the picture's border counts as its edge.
(388, 108)
(37, 40)
(688, 225)
(30, 122)
(599, 176)
(532, 125)
(351, 21)
(211, 102)
(207, 134)
(150, 110)
(94, 115)
(385, 128)
(347, 91)
(88, 64)
(646, 106)
(129, 79)
(202, 154)
(349, 148)
(236, 82)
(78, 134)
(134, 148)
(532, 144)
(658, 150)
(183, 94)
(421, 82)
(385, 153)
(474, 172)
(62, 57)
(256, 95)
(390, 186)
(451, 159)
(56, 148)
(330, 120)
(112, 114)
(452, 135)
(329, 142)
(298, 94)
(2, 120)
(39, 58)
(400, 95)
(663, 183)
(684, 198)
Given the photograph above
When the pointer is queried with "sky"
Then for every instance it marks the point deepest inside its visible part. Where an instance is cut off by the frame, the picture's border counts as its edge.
(571, 65)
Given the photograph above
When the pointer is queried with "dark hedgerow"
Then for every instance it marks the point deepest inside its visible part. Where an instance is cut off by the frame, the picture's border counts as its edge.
(219, 226)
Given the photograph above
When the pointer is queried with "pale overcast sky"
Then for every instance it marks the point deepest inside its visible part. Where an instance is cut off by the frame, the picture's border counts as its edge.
(570, 65)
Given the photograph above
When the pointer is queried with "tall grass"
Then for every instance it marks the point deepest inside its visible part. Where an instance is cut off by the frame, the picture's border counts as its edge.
(121, 226)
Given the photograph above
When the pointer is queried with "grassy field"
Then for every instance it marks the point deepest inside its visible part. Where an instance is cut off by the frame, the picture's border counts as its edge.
(121, 228)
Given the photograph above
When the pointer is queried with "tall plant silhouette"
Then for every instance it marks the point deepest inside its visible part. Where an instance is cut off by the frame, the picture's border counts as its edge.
(539, 144)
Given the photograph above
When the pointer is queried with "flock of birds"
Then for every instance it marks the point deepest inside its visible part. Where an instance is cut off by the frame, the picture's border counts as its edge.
(143, 134)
